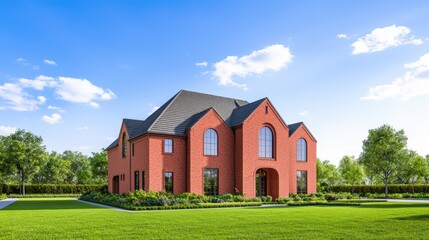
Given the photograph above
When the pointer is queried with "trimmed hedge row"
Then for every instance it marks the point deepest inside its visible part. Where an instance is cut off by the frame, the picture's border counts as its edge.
(184, 206)
(317, 203)
(51, 188)
(393, 188)
(64, 195)
(3, 196)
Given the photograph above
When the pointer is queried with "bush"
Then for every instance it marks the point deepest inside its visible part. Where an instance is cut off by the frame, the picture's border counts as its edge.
(51, 188)
(3, 196)
(71, 195)
(393, 188)
(283, 200)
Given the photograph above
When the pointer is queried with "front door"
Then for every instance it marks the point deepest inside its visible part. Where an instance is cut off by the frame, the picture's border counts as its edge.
(261, 183)
(116, 184)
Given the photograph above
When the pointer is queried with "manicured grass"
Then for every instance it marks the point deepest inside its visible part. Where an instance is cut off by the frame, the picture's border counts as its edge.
(69, 219)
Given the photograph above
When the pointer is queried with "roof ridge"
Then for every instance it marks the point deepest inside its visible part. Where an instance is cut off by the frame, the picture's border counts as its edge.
(163, 111)
(208, 94)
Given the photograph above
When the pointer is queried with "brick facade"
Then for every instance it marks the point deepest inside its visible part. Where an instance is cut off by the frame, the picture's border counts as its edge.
(237, 159)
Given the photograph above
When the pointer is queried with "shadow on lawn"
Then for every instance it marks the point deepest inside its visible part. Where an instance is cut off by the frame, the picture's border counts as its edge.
(57, 204)
(416, 217)
(395, 205)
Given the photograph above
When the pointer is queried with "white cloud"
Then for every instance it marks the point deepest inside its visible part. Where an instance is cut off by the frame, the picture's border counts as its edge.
(26, 63)
(17, 99)
(413, 83)
(68, 89)
(82, 128)
(274, 57)
(201, 64)
(153, 110)
(382, 38)
(82, 91)
(342, 36)
(50, 107)
(303, 113)
(53, 119)
(50, 62)
(39, 83)
(6, 130)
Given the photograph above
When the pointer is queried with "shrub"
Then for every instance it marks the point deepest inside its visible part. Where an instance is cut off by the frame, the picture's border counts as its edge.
(283, 200)
(70, 195)
(52, 188)
(3, 196)
(393, 188)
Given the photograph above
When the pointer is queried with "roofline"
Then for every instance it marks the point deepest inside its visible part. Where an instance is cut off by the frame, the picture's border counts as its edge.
(217, 115)
(163, 111)
(183, 90)
(250, 113)
(275, 112)
(306, 129)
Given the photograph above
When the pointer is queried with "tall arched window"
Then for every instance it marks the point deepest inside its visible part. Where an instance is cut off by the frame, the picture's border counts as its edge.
(210, 142)
(124, 145)
(301, 150)
(266, 143)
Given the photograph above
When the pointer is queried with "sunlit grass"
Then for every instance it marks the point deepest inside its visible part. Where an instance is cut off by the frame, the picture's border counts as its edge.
(70, 219)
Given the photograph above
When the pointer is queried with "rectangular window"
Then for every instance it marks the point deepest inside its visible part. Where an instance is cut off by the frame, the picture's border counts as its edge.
(143, 181)
(168, 182)
(211, 181)
(136, 180)
(133, 149)
(168, 145)
(266, 109)
(301, 182)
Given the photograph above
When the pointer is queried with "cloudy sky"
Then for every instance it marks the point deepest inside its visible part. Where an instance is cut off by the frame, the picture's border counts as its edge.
(71, 70)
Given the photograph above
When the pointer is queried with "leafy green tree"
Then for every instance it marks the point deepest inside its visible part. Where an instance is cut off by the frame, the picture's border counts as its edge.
(80, 168)
(327, 175)
(382, 152)
(21, 154)
(427, 175)
(416, 169)
(350, 171)
(54, 169)
(99, 166)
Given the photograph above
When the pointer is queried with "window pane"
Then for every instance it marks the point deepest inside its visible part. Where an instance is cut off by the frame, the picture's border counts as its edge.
(211, 181)
(143, 180)
(168, 145)
(168, 182)
(136, 180)
(301, 150)
(210, 142)
(301, 182)
(265, 143)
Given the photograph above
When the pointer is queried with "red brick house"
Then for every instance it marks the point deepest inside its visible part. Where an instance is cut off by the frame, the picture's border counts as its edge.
(209, 144)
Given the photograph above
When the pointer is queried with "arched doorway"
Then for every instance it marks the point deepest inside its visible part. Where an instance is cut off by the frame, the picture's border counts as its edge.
(267, 182)
(261, 183)
(115, 181)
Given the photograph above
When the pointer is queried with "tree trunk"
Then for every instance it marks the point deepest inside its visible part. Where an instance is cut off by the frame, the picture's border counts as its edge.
(386, 190)
(22, 182)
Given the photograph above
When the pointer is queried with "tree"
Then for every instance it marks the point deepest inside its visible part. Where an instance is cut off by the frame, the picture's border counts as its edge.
(21, 154)
(427, 175)
(350, 170)
(99, 166)
(382, 152)
(53, 170)
(80, 168)
(327, 175)
(416, 169)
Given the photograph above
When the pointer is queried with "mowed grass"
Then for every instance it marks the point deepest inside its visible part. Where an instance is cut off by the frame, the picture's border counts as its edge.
(70, 219)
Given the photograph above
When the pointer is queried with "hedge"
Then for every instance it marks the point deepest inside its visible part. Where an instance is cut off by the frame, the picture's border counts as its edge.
(393, 188)
(63, 195)
(51, 188)
(3, 196)
(335, 203)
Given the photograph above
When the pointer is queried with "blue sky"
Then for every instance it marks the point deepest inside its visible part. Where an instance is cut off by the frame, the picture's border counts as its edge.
(71, 70)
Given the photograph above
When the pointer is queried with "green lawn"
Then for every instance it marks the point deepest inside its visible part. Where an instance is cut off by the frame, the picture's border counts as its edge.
(67, 218)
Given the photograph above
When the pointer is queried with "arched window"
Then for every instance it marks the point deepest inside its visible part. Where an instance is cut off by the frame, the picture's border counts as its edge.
(210, 142)
(301, 150)
(266, 143)
(124, 145)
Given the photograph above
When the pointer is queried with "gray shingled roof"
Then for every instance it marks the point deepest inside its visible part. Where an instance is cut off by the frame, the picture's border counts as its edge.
(184, 109)
(293, 127)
